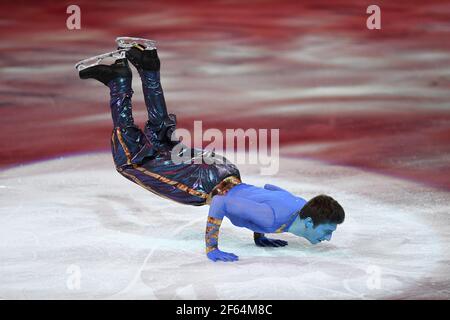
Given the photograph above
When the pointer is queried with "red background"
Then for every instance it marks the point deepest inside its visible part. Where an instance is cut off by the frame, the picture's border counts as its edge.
(373, 99)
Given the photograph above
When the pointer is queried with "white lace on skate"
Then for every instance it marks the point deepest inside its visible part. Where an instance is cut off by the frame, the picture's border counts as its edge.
(93, 61)
(129, 42)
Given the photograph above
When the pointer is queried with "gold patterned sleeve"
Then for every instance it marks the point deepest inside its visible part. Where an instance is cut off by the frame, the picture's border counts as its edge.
(212, 233)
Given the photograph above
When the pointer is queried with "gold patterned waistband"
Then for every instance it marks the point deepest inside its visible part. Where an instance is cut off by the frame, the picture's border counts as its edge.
(223, 187)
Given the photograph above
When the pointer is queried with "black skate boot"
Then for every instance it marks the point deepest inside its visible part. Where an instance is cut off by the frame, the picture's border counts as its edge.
(140, 52)
(160, 125)
(106, 73)
(143, 59)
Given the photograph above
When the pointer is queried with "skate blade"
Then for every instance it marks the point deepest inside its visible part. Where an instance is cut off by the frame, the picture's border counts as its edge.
(93, 61)
(128, 42)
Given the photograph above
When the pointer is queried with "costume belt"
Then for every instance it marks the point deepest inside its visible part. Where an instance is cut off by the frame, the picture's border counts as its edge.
(223, 187)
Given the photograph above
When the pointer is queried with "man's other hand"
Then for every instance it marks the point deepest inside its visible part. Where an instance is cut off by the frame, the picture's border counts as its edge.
(262, 241)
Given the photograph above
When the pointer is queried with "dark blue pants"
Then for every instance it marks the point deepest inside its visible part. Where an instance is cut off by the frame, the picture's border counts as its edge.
(144, 156)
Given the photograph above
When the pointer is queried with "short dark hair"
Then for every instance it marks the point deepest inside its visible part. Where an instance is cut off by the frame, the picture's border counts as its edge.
(323, 209)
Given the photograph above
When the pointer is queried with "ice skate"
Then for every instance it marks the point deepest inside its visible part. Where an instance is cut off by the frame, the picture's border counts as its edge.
(129, 42)
(104, 73)
(93, 61)
(143, 59)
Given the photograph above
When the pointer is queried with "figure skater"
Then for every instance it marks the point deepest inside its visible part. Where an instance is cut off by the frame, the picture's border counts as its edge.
(145, 158)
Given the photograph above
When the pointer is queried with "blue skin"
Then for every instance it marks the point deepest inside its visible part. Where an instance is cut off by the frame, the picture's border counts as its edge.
(265, 210)
(300, 227)
(314, 234)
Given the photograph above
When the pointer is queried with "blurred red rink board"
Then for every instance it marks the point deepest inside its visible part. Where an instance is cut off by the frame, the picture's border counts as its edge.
(377, 100)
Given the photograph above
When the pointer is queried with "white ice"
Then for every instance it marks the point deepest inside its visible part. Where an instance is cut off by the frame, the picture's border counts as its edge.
(73, 228)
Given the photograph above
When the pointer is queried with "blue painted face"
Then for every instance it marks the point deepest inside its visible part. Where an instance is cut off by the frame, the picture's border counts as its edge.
(305, 228)
(319, 233)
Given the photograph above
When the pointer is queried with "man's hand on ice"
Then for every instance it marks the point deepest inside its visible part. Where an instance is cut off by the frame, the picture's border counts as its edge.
(217, 255)
(262, 241)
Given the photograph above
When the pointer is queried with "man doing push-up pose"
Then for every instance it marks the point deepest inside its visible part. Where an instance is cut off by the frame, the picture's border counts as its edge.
(145, 157)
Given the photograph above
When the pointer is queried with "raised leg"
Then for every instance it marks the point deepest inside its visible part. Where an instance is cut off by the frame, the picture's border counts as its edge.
(128, 143)
(127, 139)
(160, 124)
(118, 78)
(148, 162)
(120, 102)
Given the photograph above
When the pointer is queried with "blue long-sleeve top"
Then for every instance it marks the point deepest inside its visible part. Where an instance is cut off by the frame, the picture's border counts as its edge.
(263, 210)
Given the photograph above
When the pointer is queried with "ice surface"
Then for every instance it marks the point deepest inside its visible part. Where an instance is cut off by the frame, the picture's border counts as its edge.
(77, 218)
